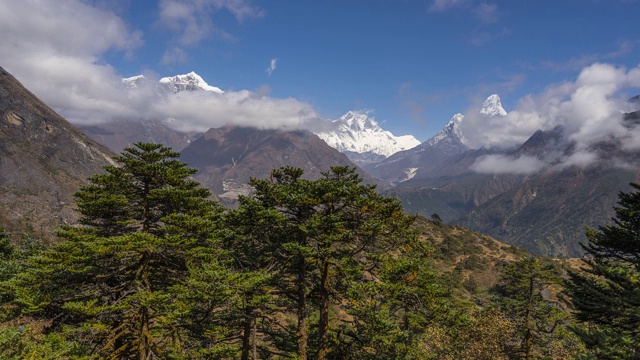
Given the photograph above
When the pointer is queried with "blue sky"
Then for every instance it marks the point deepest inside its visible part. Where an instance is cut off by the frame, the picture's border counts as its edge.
(413, 63)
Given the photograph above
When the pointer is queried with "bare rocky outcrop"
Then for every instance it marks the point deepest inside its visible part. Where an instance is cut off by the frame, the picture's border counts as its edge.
(43, 160)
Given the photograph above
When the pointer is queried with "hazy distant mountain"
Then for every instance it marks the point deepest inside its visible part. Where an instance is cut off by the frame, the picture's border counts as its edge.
(362, 139)
(544, 211)
(450, 140)
(43, 161)
(428, 159)
(228, 157)
(118, 134)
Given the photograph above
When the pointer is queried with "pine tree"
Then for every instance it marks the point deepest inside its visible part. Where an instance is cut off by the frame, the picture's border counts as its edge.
(606, 294)
(110, 283)
(538, 321)
(391, 312)
(253, 262)
(326, 229)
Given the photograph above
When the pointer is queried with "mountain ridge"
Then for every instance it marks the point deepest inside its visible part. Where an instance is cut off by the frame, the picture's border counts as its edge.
(44, 159)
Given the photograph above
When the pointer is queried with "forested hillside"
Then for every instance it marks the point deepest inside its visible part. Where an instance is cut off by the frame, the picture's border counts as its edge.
(305, 269)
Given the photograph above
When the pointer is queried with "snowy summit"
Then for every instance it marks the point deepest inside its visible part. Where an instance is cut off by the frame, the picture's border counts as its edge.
(452, 129)
(173, 84)
(356, 132)
(187, 82)
(451, 139)
(493, 107)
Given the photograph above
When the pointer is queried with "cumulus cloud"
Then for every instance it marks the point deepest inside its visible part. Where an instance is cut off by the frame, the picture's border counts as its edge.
(57, 52)
(589, 110)
(272, 66)
(201, 110)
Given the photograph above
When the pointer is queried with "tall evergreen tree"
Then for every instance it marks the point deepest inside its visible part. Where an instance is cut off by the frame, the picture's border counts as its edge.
(111, 283)
(391, 313)
(327, 228)
(606, 294)
(538, 321)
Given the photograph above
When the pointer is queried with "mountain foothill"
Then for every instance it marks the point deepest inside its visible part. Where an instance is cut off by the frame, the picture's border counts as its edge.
(541, 205)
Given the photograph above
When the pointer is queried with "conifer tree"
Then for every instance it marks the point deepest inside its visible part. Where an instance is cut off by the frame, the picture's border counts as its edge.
(253, 262)
(606, 294)
(391, 313)
(327, 229)
(111, 283)
(538, 321)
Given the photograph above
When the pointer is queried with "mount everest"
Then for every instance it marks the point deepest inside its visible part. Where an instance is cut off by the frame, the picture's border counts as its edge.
(363, 140)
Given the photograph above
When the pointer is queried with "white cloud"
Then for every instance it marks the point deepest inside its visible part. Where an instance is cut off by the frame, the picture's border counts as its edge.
(200, 111)
(57, 52)
(502, 164)
(486, 12)
(192, 20)
(272, 66)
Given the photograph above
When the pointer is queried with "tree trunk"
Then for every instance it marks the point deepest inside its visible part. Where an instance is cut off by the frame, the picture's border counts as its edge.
(246, 337)
(302, 333)
(324, 312)
(255, 338)
(528, 335)
(146, 223)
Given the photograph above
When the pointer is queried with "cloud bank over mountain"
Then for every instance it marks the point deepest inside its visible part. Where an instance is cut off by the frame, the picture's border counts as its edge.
(589, 111)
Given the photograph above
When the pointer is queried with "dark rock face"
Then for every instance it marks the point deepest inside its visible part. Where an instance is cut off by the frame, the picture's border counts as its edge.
(43, 161)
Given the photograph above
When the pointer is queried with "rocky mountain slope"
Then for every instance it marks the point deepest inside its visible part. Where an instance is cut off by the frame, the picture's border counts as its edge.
(228, 157)
(43, 161)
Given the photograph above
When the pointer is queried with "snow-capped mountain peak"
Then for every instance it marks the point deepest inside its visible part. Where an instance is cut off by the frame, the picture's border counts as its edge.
(359, 121)
(356, 132)
(172, 84)
(188, 82)
(451, 139)
(493, 107)
(451, 129)
(134, 82)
